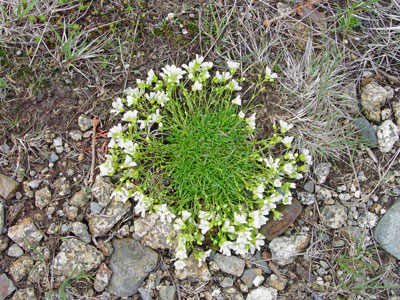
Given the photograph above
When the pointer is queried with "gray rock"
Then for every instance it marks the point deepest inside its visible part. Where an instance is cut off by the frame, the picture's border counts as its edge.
(260, 263)
(34, 184)
(387, 232)
(25, 233)
(5, 149)
(144, 294)
(373, 97)
(325, 195)
(322, 171)
(396, 112)
(334, 216)
(8, 187)
(24, 294)
(130, 264)
(75, 254)
(284, 249)
(101, 224)
(38, 273)
(230, 264)
(102, 190)
(306, 198)
(367, 131)
(62, 186)
(3, 242)
(81, 231)
(20, 268)
(102, 279)
(76, 135)
(42, 197)
(84, 123)
(95, 208)
(249, 275)
(168, 292)
(152, 232)
(79, 199)
(15, 251)
(262, 293)
(53, 157)
(193, 271)
(6, 286)
(227, 282)
(1, 217)
(232, 293)
(71, 212)
(309, 186)
(388, 135)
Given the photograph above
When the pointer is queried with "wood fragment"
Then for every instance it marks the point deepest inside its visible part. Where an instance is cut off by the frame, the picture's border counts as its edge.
(95, 122)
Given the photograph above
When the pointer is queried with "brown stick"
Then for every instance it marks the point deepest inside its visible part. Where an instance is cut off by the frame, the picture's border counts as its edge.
(95, 122)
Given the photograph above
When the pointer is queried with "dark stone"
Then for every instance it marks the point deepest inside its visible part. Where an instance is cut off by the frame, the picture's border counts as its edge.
(304, 274)
(368, 134)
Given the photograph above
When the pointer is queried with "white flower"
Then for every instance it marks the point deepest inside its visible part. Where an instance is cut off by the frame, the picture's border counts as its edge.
(170, 16)
(121, 194)
(222, 77)
(115, 131)
(151, 77)
(277, 183)
(233, 85)
(232, 65)
(225, 248)
(172, 73)
(130, 147)
(107, 168)
(128, 163)
(258, 219)
(130, 116)
(285, 127)
(241, 114)
(240, 218)
(118, 106)
(228, 227)
(185, 215)
(155, 117)
(133, 95)
(204, 226)
(251, 121)
(237, 100)
(287, 141)
(203, 257)
(259, 191)
(271, 164)
(292, 185)
(288, 169)
(178, 224)
(269, 75)
(206, 66)
(179, 264)
(181, 254)
(164, 213)
(197, 86)
(308, 157)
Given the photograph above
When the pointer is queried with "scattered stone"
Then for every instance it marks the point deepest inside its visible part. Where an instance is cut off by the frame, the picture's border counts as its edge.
(6, 286)
(123, 231)
(273, 228)
(334, 216)
(152, 232)
(194, 271)
(249, 275)
(24, 294)
(58, 145)
(38, 273)
(102, 279)
(373, 97)
(25, 233)
(387, 232)
(81, 157)
(258, 280)
(388, 135)
(368, 220)
(144, 294)
(396, 112)
(62, 186)
(386, 114)
(368, 134)
(75, 254)
(168, 293)
(130, 264)
(70, 172)
(42, 197)
(34, 184)
(227, 282)
(15, 251)
(8, 187)
(20, 268)
(309, 186)
(105, 247)
(5, 149)
(102, 190)
(95, 208)
(3, 242)
(87, 134)
(71, 212)
(262, 293)
(306, 198)
(276, 282)
(53, 229)
(81, 231)
(338, 243)
(1, 217)
(232, 293)
(79, 199)
(76, 135)
(230, 264)
(84, 123)
(325, 195)
(101, 224)
(344, 197)
(284, 249)
(351, 232)
(53, 157)
(322, 171)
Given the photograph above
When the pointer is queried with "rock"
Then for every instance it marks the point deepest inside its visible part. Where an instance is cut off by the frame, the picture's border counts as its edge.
(152, 232)
(306, 198)
(249, 275)
(102, 190)
(322, 171)
(309, 186)
(58, 144)
(5, 149)
(3, 243)
(277, 283)
(368, 220)
(8, 187)
(1, 217)
(368, 134)
(230, 264)
(62, 186)
(105, 247)
(79, 199)
(34, 184)
(130, 264)
(95, 208)
(42, 197)
(81, 231)
(53, 157)
(373, 97)
(334, 216)
(396, 112)
(193, 271)
(76, 255)
(352, 232)
(273, 228)
(232, 294)
(227, 282)
(84, 123)
(6, 286)
(144, 294)
(258, 280)
(76, 135)
(24, 294)
(304, 273)
(71, 212)
(20, 268)
(101, 224)
(284, 249)
(168, 292)
(15, 251)
(102, 279)
(386, 114)
(38, 273)
(262, 293)
(325, 195)
(387, 232)
(260, 262)
(388, 135)
(25, 233)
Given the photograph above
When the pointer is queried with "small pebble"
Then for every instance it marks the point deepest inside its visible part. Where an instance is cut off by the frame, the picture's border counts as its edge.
(258, 280)
(53, 157)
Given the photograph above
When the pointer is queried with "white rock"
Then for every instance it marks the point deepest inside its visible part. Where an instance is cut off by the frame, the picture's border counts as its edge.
(322, 171)
(262, 293)
(388, 134)
(284, 249)
(258, 280)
